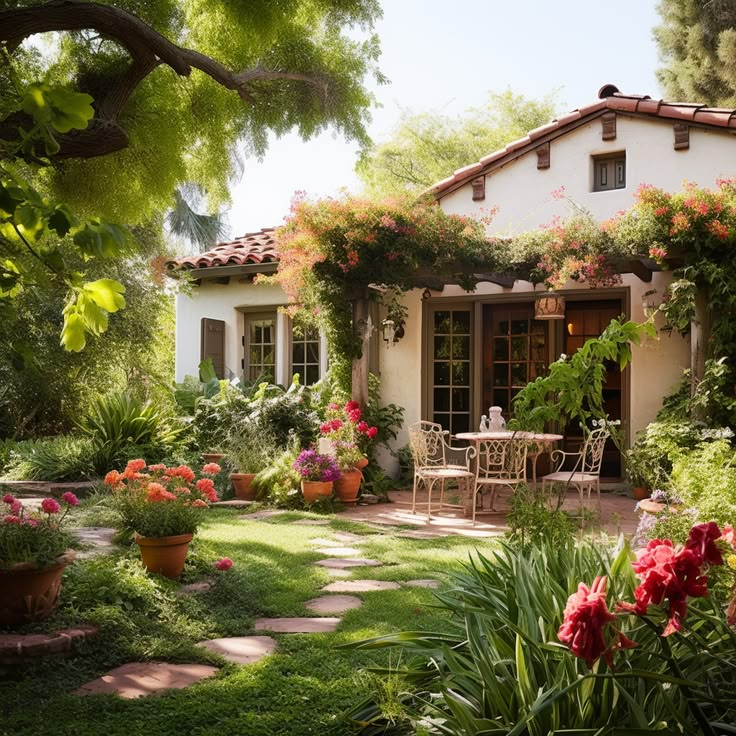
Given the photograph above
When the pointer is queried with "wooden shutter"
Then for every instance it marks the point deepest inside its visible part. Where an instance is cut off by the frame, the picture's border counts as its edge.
(212, 344)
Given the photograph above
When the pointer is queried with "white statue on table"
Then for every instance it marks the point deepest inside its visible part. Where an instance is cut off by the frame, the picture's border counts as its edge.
(496, 422)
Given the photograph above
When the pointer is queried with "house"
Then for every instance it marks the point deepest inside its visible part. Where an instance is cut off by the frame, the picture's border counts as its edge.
(462, 352)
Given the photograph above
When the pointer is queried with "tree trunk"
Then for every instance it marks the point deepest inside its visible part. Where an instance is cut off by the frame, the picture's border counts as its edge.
(698, 342)
(361, 317)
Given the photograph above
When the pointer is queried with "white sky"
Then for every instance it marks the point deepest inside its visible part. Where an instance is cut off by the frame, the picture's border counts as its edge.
(446, 56)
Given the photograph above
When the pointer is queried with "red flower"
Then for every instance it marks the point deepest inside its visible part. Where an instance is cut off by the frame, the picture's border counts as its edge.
(352, 406)
(224, 564)
(15, 507)
(362, 427)
(160, 467)
(135, 466)
(205, 485)
(702, 541)
(113, 478)
(585, 620)
(50, 506)
(336, 424)
(211, 469)
(11, 519)
(371, 432)
(670, 574)
(183, 471)
(325, 427)
(156, 493)
(70, 498)
(354, 415)
(8, 498)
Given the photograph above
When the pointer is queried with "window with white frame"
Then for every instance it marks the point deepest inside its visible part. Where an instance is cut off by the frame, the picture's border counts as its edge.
(609, 172)
(260, 346)
(305, 353)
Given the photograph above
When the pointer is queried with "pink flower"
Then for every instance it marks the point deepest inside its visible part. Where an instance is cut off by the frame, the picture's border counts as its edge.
(9, 498)
(11, 519)
(15, 507)
(31, 522)
(158, 468)
(183, 471)
(336, 424)
(371, 432)
(352, 406)
(50, 506)
(362, 427)
(211, 469)
(729, 535)
(70, 499)
(225, 563)
(205, 485)
(325, 427)
(198, 503)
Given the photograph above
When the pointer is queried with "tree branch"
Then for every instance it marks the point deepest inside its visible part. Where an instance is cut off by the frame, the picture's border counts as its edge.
(148, 49)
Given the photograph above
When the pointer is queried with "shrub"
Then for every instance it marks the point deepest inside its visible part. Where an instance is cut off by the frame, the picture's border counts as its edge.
(278, 484)
(532, 522)
(218, 417)
(503, 669)
(284, 414)
(251, 448)
(65, 458)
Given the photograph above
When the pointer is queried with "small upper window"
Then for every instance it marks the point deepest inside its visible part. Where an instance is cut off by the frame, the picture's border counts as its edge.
(609, 172)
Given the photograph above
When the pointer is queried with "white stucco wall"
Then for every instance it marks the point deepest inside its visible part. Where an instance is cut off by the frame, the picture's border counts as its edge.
(523, 195)
(219, 301)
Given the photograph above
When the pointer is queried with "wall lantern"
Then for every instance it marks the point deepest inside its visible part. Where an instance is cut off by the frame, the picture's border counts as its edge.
(549, 306)
(392, 332)
(648, 303)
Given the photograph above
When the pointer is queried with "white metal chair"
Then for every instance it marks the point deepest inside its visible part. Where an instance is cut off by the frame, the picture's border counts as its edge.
(583, 468)
(501, 462)
(430, 451)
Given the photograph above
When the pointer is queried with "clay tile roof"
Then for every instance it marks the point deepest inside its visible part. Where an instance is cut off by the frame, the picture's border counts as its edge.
(609, 99)
(251, 248)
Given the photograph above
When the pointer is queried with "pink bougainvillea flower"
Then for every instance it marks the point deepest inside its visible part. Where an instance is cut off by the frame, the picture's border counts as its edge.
(8, 498)
(50, 506)
(225, 563)
(70, 499)
(211, 469)
(585, 621)
(702, 541)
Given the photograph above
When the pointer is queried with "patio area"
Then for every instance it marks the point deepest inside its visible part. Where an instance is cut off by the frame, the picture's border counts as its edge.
(618, 514)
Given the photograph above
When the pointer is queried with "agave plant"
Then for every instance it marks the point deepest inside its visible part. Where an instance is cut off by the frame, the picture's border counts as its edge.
(118, 421)
(505, 672)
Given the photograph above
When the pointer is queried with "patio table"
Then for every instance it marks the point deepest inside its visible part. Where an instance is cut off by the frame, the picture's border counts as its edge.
(539, 442)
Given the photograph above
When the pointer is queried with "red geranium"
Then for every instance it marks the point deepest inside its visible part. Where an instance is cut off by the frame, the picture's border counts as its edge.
(702, 541)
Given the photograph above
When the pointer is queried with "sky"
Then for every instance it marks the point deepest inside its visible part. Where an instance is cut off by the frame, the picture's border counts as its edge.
(445, 57)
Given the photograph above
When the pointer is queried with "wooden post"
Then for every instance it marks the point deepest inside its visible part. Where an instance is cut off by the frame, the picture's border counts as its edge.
(361, 313)
(698, 341)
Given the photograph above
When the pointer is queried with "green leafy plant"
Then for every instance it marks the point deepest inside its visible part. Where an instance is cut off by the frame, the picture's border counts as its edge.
(533, 522)
(35, 538)
(278, 484)
(64, 458)
(251, 448)
(119, 421)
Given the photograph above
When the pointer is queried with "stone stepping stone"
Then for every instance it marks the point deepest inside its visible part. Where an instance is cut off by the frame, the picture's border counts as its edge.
(98, 537)
(311, 522)
(349, 537)
(255, 516)
(335, 573)
(346, 562)
(241, 649)
(201, 587)
(297, 625)
(360, 586)
(425, 583)
(338, 551)
(234, 503)
(138, 679)
(333, 603)
(322, 542)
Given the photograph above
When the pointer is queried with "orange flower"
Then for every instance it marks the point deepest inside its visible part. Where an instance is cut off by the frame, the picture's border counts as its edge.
(200, 504)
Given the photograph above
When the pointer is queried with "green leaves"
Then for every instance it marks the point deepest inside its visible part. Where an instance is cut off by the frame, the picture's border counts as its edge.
(99, 239)
(87, 312)
(59, 107)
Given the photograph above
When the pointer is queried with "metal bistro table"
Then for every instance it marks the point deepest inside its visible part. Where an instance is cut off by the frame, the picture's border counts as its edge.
(539, 443)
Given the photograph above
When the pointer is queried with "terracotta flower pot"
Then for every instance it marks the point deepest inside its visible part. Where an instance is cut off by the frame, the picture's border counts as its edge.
(348, 485)
(29, 593)
(164, 555)
(314, 489)
(362, 463)
(640, 492)
(212, 457)
(241, 484)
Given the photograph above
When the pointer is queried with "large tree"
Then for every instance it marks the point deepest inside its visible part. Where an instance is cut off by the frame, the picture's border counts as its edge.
(427, 147)
(697, 44)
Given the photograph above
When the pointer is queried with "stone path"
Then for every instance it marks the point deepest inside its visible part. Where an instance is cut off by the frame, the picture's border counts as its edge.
(311, 522)
(338, 551)
(138, 679)
(426, 583)
(297, 625)
(345, 562)
(98, 537)
(333, 604)
(241, 649)
(360, 586)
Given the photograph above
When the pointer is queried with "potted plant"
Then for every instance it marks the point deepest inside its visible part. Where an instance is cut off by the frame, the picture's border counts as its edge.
(349, 437)
(318, 473)
(163, 508)
(251, 449)
(638, 468)
(34, 550)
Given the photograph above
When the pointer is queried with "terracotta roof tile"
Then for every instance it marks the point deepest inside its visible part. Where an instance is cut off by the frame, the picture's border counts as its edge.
(612, 99)
(251, 248)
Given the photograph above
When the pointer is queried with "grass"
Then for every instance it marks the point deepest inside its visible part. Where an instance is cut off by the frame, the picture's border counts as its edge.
(304, 688)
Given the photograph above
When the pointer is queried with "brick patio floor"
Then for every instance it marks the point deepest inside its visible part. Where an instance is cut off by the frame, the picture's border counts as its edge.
(618, 513)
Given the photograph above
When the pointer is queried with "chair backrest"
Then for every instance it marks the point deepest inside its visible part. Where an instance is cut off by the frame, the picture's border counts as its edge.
(593, 450)
(502, 459)
(427, 443)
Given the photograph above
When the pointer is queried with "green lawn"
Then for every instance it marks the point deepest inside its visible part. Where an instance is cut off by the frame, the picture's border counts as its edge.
(302, 689)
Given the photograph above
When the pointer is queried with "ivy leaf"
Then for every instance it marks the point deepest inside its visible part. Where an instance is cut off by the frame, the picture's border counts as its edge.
(106, 293)
(73, 336)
